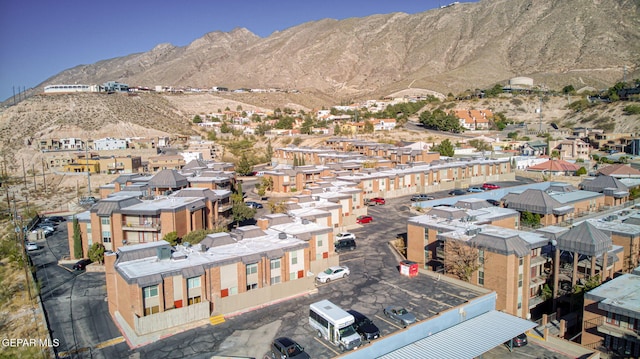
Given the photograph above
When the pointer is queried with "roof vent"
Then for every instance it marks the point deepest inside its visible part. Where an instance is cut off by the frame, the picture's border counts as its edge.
(282, 235)
(305, 221)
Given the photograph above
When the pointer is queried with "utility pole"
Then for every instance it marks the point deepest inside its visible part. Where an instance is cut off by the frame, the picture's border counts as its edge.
(24, 175)
(44, 179)
(86, 156)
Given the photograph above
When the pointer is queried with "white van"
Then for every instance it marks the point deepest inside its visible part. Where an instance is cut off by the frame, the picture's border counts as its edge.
(334, 324)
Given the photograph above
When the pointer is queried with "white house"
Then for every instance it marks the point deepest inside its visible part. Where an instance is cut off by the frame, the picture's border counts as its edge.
(106, 144)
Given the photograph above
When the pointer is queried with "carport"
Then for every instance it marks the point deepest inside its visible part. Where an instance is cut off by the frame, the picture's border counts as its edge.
(469, 339)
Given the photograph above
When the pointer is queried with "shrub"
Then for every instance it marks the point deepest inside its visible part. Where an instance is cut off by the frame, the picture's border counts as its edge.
(631, 110)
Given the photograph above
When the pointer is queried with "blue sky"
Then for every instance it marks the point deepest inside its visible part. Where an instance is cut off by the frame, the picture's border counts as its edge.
(41, 38)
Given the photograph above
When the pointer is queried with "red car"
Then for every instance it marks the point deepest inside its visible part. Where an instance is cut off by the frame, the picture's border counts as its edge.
(376, 201)
(364, 219)
(488, 186)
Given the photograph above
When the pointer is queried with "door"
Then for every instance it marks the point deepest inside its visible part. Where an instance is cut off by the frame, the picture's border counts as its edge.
(332, 333)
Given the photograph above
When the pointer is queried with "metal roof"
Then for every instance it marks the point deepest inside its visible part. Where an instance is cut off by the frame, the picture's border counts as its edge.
(479, 335)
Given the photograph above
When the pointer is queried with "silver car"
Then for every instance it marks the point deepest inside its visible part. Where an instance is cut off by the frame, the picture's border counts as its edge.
(399, 314)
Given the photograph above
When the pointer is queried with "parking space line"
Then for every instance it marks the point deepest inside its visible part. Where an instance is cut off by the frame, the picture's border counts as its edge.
(384, 319)
(325, 344)
(437, 301)
(457, 296)
(351, 259)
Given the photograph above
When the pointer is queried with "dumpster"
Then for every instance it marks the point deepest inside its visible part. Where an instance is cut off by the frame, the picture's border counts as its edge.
(409, 268)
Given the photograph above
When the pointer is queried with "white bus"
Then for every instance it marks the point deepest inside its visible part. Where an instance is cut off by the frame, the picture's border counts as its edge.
(334, 324)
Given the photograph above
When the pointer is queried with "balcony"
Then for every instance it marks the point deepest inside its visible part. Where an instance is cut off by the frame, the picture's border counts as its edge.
(223, 207)
(152, 226)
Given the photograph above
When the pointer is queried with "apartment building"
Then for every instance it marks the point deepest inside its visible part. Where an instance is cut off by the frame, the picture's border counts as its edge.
(615, 192)
(164, 162)
(572, 149)
(120, 164)
(611, 316)
(559, 203)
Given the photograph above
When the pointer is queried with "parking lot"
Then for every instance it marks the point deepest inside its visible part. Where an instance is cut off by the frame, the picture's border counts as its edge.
(78, 316)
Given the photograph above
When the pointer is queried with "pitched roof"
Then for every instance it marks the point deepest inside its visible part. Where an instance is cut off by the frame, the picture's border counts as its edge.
(531, 200)
(503, 245)
(197, 163)
(586, 239)
(619, 169)
(554, 166)
(168, 179)
(601, 182)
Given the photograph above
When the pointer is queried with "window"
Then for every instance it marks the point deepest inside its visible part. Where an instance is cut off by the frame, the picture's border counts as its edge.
(294, 257)
(613, 319)
(105, 221)
(319, 243)
(275, 264)
(150, 292)
(481, 256)
(520, 280)
(252, 268)
(520, 261)
(275, 280)
(193, 282)
(480, 277)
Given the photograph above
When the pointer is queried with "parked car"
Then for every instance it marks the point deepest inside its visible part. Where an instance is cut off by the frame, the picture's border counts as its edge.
(45, 227)
(56, 219)
(494, 202)
(475, 189)
(457, 192)
(88, 200)
(348, 244)
(364, 219)
(345, 235)
(489, 186)
(254, 205)
(30, 246)
(519, 341)
(286, 348)
(364, 326)
(332, 273)
(421, 197)
(376, 201)
(400, 314)
(82, 264)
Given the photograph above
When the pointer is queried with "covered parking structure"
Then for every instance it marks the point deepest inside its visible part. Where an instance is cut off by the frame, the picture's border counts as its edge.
(476, 324)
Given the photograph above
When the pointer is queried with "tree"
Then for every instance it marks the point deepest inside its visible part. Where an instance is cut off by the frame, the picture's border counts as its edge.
(172, 238)
(307, 126)
(277, 207)
(77, 239)
(243, 167)
(480, 145)
(336, 129)
(96, 253)
(569, 89)
(441, 121)
(268, 152)
(581, 171)
(195, 237)
(239, 210)
(197, 119)
(445, 148)
(530, 219)
(368, 126)
(462, 259)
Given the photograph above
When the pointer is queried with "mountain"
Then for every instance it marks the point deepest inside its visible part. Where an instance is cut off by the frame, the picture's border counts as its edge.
(466, 46)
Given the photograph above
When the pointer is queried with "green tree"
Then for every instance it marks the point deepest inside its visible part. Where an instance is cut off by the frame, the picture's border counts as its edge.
(225, 128)
(368, 126)
(307, 126)
(197, 119)
(96, 253)
(445, 148)
(243, 167)
(77, 239)
(530, 219)
(239, 210)
(172, 238)
(268, 152)
(441, 121)
(195, 237)
(211, 135)
(336, 129)
(581, 171)
(480, 145)
(569, 89)
(295, 160)
(277, 206)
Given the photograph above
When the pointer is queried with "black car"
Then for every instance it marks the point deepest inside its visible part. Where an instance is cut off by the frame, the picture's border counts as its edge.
(364, 326)
(347, 244)
(82, 264)
(494, 202)
(457, 192)
(55, 219)
(286, 348)
(519, 341)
